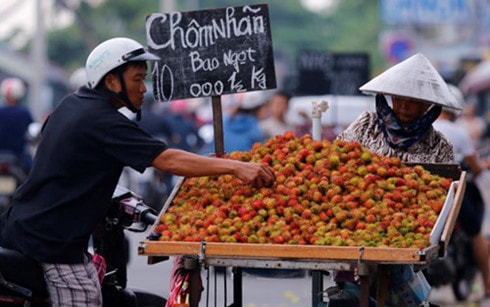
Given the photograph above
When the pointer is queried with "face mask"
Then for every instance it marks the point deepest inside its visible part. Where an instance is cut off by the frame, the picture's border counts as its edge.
(402, 137)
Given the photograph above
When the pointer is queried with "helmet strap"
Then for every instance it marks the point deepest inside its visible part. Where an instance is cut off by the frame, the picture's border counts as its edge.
(121, 96)
(124, 97)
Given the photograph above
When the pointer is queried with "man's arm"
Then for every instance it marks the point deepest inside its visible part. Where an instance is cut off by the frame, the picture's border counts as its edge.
(187, 164)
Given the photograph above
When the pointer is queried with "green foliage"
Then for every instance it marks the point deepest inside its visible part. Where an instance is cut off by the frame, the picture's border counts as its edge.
(353, 27)
(69, 47)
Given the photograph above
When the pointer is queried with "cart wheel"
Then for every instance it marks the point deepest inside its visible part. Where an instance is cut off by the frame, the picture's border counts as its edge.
(462, 289)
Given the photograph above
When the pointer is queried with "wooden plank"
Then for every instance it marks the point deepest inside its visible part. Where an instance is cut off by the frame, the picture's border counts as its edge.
(283, 251)
(453, 214)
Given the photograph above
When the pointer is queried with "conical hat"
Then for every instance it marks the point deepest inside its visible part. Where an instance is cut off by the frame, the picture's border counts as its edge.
(413, 78)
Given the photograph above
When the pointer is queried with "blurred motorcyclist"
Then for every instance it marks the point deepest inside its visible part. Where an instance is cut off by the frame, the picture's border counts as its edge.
(14, 121)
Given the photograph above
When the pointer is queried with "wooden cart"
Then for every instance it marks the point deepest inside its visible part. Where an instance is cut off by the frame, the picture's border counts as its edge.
(318, 258)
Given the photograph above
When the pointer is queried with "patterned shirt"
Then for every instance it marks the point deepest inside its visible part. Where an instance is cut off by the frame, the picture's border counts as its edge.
(432, 148)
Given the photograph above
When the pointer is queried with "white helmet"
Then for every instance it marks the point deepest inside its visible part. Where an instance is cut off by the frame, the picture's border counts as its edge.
(13, 88)
(78, 78)
(111, 54)
(253, 100)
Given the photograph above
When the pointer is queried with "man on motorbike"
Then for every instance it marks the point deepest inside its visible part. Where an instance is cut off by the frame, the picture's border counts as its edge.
(85, 144)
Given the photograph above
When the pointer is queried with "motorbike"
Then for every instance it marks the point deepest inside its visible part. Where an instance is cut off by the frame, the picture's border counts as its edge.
(11, 177)
(21, 278)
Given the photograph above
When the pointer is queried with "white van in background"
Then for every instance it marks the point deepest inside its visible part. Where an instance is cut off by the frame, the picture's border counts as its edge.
(342, 110)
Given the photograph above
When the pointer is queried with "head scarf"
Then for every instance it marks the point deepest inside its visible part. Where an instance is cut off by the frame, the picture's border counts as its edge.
(402, 137)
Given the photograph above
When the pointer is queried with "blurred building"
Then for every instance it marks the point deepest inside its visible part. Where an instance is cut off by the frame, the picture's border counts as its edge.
(446, 31)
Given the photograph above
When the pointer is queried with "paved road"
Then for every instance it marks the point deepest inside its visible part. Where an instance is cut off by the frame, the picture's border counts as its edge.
(257, 291)
(267, 292)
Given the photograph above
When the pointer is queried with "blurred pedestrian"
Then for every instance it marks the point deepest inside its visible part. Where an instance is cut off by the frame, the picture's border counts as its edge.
(154, 120)
(473, 123)
(14, 122)
(185, 127)
(241, 129)
(276, 123)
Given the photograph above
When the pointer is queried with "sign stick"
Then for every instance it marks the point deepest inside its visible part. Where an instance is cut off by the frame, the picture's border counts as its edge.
(219, 149)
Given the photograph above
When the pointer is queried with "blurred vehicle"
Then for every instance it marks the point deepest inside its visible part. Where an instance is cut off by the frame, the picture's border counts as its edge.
(342, 110)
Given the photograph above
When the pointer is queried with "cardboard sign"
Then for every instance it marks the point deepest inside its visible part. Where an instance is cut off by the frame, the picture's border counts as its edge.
(322, 73)
(211, 52)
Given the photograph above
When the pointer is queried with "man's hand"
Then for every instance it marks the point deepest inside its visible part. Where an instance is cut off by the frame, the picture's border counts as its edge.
(255, 174)
(187, 164)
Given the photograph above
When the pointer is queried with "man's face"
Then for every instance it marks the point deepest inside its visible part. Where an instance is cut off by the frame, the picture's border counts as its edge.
(134, 78)
(407, 110)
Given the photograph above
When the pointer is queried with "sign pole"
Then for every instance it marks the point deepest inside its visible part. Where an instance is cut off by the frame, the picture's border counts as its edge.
(316, 115)
(218, 126)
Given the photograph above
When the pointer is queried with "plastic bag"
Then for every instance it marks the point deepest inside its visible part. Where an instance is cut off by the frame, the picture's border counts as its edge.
(180, 295)
(100, 266)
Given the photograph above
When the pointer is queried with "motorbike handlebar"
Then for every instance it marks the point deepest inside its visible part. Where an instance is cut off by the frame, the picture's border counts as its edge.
(139, 212)
(148, 217)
